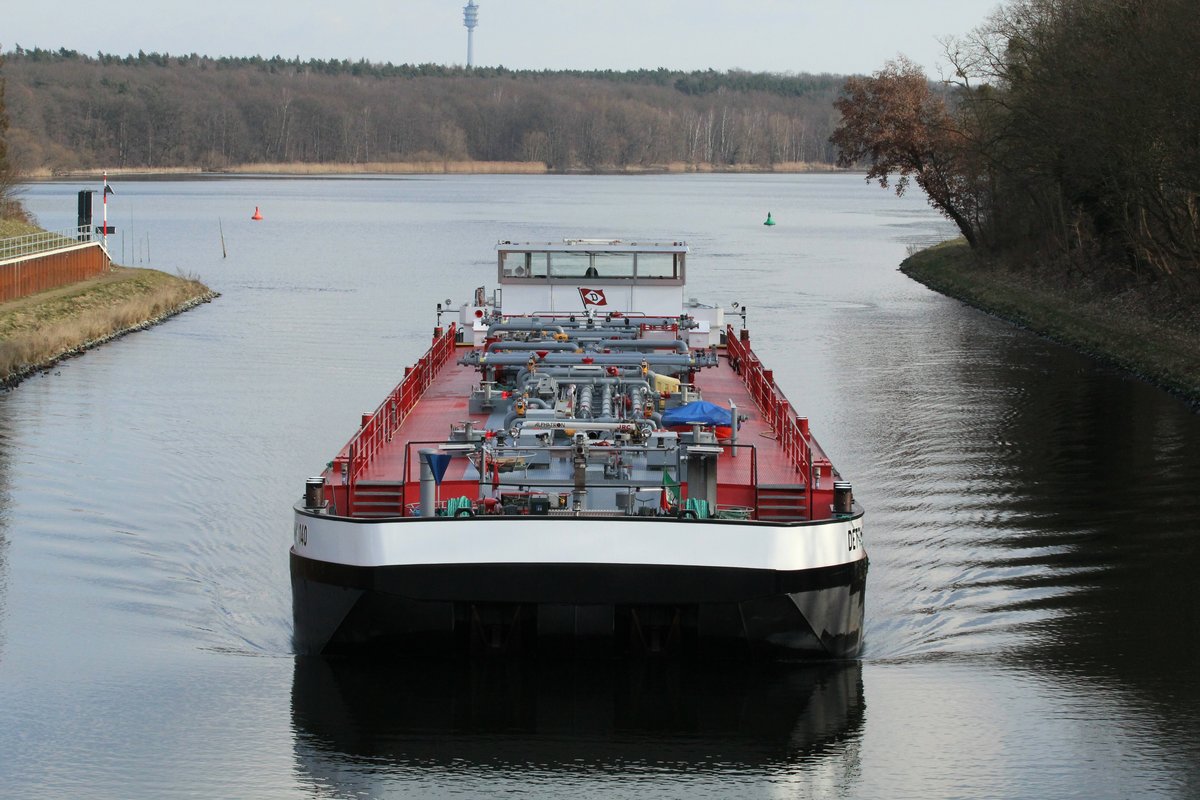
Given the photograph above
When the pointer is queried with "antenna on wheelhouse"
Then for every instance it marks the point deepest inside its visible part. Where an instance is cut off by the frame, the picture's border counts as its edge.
(470, 20)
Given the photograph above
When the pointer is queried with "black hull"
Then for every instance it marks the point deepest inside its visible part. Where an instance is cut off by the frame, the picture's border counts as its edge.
(569, 609)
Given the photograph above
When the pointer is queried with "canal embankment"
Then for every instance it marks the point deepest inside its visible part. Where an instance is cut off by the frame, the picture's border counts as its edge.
(1148, 331)
(41, 329)
(431, 167)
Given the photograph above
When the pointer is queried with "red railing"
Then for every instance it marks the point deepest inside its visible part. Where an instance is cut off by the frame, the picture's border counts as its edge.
(777, 412)
(378, 429)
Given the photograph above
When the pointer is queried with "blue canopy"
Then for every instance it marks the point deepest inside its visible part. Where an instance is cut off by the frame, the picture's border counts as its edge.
(697, 411)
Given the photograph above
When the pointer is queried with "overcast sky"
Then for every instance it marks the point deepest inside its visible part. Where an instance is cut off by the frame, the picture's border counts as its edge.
(838, 36)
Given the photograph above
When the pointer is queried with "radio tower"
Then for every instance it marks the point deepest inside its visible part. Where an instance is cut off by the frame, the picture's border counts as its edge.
(470, 20)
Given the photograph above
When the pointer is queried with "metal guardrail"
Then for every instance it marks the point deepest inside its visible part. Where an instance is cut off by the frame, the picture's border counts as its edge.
(777, 412)
(44, 242)
(387, 419)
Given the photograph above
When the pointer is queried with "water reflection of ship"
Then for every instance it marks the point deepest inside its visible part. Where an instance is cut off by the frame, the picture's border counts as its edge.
(354, 718)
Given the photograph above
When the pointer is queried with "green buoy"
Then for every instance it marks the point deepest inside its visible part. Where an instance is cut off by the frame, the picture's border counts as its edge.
(769, 220)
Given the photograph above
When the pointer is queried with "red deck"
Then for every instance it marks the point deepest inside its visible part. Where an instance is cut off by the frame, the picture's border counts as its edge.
(444, 403)
(781, 446)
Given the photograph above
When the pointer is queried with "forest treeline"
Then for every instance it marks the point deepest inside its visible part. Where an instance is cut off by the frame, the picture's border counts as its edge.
(73, 111)
(10, 177)
(1071, 137)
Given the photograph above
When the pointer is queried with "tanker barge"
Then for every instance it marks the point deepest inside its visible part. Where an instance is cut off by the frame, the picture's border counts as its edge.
(583, 464)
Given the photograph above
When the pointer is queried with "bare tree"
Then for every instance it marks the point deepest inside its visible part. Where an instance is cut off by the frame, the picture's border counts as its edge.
(893, 121)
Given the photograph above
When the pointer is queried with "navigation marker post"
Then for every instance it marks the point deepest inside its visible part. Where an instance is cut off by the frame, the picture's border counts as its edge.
(104, 229)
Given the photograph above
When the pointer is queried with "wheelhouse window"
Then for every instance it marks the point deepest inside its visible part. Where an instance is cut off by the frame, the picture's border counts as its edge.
(580, 265)
(517, 264)
(609, 266)
(658, 265)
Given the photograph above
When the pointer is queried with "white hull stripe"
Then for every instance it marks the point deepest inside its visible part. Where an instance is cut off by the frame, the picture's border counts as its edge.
(578, 541)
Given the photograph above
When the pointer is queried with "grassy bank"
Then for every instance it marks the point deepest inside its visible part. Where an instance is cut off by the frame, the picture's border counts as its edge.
(1146, 331)
(15, 227)
(514, 168)
(436, 168)
(38, 330)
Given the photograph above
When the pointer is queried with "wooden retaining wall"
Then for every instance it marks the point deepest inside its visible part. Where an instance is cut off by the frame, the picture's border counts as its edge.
(36, 273)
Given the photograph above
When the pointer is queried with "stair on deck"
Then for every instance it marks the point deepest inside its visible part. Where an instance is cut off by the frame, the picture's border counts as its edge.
(378, 499)
(782, 502)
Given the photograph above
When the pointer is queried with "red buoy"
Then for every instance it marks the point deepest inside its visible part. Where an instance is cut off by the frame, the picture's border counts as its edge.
(257, 214)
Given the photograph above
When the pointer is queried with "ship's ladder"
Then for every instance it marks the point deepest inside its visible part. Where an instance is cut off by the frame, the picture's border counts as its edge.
(378, 498)
(782, 502)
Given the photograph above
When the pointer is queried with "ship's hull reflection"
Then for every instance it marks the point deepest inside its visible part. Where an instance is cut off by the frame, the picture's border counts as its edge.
(354, 718)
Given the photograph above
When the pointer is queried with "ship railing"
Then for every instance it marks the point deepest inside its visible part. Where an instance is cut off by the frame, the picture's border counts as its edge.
(411, 448)
(739, 479)
(380, 426)
(790, 430)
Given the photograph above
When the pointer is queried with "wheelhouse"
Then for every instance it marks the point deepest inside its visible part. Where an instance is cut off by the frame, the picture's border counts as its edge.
(592, 274)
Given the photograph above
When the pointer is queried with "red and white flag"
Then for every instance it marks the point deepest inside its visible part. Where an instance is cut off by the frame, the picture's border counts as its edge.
(592, 297)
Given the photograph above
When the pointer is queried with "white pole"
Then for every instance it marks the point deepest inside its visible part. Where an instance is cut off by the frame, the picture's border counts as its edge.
(105, 194)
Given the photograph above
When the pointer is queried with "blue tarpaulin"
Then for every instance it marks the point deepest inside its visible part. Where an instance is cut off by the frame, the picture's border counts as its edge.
(697, 411)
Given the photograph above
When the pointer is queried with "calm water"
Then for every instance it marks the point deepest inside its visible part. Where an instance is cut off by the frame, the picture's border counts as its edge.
(1033, 521)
